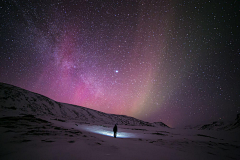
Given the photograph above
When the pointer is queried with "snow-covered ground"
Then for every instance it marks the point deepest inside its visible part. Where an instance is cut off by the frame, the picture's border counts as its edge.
(27, 137)
(35, 127)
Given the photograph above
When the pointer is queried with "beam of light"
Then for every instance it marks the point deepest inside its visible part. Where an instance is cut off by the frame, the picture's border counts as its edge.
(107, 131)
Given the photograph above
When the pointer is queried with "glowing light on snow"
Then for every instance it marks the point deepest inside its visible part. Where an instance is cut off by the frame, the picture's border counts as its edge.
(107, 131)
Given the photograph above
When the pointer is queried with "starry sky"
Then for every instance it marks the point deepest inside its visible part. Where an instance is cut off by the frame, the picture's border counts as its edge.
(172, 61)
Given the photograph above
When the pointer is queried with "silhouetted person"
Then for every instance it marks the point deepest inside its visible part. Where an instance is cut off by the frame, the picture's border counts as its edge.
(115, 130)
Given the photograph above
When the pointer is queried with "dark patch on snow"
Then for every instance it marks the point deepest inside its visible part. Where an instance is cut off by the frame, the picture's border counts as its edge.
(60, 120)
(139, 129)
(211, 153)
(202, 135)
(26, 140)
(75, 132)
(48, 141)
(159, 134)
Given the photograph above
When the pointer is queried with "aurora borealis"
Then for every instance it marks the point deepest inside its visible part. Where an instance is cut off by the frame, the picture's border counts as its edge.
(170, 61)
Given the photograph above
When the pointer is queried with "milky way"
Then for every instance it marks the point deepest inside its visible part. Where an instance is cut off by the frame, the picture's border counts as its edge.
(170, 61)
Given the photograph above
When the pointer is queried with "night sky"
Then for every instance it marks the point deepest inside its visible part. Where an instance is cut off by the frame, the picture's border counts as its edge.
(173, 61)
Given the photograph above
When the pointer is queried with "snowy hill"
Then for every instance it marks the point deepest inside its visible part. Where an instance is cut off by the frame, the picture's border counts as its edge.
(15, 100)
(236, 123)
(218, 125)
(161, 124)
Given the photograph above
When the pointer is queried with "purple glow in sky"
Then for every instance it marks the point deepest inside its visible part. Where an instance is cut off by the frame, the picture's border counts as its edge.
(170, 61)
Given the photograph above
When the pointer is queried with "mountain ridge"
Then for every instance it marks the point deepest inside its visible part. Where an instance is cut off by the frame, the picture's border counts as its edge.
(218, 125)
(20, 101)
